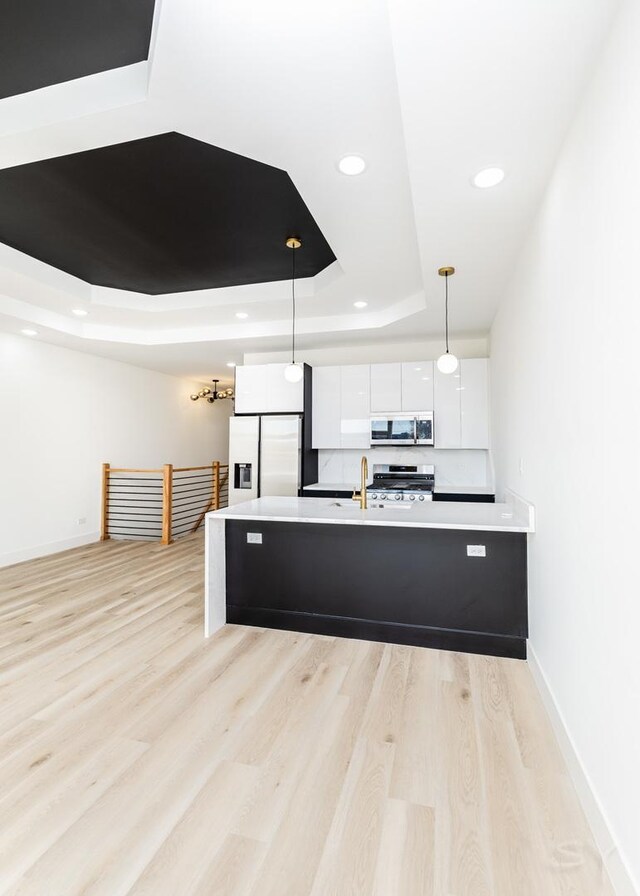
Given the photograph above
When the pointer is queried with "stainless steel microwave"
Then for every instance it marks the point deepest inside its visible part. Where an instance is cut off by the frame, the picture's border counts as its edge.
(402, 429)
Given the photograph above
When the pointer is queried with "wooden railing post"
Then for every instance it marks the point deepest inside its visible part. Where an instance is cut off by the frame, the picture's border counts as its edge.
(167, 501)
(215, 499)
(104, 517)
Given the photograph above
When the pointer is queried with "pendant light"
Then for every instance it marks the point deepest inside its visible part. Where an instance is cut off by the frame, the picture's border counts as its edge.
(293, 372)
(447, 362)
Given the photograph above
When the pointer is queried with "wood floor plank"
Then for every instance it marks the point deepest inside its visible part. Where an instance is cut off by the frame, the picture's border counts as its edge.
(406, 857)
(137, 757)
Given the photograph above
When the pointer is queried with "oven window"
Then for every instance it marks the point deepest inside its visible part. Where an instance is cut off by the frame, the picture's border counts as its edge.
(395, 430)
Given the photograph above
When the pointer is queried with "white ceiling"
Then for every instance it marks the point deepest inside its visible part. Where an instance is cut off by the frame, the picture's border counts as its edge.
(428, 91)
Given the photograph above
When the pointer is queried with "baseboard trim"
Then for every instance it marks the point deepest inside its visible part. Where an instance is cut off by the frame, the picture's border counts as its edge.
(44, 550)
(619, 873)
(375, 630)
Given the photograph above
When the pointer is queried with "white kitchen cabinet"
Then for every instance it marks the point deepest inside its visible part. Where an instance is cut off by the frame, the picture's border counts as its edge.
(446, 414)
(341, 407)
(262, 389)
(355, 406)
(251, 389)
(474, 403)
(386, 388)
(283, 397)
(461, 405)
(417, 386)
(326, 422)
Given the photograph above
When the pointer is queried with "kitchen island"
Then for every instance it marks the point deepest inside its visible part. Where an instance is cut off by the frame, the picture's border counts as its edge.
(451, 576)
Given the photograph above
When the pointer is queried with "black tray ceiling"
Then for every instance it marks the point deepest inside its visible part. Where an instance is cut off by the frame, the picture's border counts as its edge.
(44, 42)
(159, 215)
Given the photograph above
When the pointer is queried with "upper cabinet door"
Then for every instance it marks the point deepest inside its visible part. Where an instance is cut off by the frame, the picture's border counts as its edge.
(326, 429)
(355, 406)
(251, 389)
(446, 413)
(386, 388)
(417, 386)
(282, 396)
(474, 403)
(262, 389)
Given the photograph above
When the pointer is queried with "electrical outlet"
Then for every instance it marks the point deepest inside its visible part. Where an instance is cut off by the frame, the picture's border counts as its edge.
(476, 550)
(82, 521)
(521, 466)
(254, 537)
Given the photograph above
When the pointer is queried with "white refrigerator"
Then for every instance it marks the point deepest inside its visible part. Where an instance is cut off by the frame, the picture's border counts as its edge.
(265, 456)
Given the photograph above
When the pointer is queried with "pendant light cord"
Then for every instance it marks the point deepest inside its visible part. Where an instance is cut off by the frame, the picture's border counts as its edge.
(446, 311)
(293, 305)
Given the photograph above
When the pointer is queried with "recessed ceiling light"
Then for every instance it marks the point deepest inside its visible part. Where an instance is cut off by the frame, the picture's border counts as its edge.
(488, 177)
(28, 332)
(79, 312)
(360, 304)
(231, 363)
(242, 315)
(351, 165)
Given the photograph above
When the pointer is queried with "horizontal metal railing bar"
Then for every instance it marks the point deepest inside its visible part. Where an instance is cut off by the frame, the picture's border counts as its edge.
(189, 511)
(189, 469)
(123, 515)
(191, 499)
(187, 483)
(135, 483)
(186, 514)
(183, 511)
(126, 500)
(195, 488)
(122, 527)
(136, 490)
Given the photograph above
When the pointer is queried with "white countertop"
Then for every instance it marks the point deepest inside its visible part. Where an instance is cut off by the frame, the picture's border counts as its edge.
(439, 489)
(516, 517)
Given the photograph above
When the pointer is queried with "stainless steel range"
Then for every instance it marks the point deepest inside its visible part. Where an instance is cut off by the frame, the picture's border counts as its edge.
(402, 482)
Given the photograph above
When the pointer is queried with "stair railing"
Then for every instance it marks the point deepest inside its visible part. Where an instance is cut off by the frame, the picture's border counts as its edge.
(160, 504)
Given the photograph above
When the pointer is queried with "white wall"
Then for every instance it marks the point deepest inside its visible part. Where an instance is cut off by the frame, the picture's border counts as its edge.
(377, 352)
(62, 414)
(566, 404)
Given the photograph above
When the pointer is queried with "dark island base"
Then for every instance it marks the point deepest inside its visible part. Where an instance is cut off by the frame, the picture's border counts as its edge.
(405, 585)
(372, 630)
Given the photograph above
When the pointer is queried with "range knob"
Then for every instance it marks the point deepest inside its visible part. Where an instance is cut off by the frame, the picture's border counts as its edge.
(412, 497)
(384, 497)
(398, 497)
(422, 497)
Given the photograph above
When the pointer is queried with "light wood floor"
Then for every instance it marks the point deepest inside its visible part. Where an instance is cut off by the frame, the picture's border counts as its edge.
(136, 757)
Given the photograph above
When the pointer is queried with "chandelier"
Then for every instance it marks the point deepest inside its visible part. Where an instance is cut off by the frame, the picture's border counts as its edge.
(212, 395)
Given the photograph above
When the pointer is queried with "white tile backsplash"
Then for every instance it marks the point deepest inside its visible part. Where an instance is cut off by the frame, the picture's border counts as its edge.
(454, 467)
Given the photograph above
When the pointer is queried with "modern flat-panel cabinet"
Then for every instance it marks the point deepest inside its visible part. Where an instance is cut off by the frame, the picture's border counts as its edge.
(326, 427)
(446, 413)
(251, 389)
(355, 404)
(341, 407)
(461, 405)
(474, 403)
(282, 396)
(386, 388)
(262, 389)
(417, 386)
